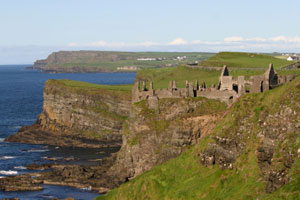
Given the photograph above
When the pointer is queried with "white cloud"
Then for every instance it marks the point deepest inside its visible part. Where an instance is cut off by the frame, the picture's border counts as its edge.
(178, 41)
(233, 43)
(28, 54)
(285, 39)
(233, 39)
(257, 39)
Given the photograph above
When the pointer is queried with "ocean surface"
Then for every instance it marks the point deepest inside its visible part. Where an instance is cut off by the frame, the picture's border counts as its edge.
(21, 100)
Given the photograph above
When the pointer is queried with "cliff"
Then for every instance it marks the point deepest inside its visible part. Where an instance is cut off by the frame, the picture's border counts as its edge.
(154, 132)
(79, 114)
(112, 61)
(158, 130)
(252, 153)
(80, 61)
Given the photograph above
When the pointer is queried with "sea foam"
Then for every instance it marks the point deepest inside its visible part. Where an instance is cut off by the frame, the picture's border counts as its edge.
(19, 167)
(7, 157)
(8, 172)
(37, 150)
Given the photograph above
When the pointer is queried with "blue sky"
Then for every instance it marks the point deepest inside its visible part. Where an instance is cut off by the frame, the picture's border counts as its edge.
(31, 29)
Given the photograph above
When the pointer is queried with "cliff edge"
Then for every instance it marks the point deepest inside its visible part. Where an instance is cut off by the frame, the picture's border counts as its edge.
(79, 114)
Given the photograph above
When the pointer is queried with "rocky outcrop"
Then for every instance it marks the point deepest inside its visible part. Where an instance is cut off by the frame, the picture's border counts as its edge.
(158, 130)
(267, 125)
(78, 114)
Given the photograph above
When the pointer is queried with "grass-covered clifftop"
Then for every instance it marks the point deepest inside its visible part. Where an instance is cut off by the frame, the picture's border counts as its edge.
(254, 150)
(119, 91)
(244, 60)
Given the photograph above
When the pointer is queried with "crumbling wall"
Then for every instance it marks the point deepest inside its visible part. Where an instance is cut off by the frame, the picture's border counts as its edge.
(228, 90)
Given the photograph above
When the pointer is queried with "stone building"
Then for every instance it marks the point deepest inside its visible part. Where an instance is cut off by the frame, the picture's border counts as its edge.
(228, 89)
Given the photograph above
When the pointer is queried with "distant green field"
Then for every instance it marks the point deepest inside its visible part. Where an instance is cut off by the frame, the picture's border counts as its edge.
(244, 60)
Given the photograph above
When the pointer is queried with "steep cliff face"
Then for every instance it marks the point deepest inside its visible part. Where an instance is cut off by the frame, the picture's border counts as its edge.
(158, 130)
(79, 114)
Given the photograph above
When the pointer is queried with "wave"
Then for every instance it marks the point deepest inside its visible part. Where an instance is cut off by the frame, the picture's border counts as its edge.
(7, 157)
(89, 188)
(20, 167)
(8, 172)
(37, 150)
(2, 139)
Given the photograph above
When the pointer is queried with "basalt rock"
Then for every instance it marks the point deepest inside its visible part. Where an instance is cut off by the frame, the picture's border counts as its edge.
(270, 130)
(152, 136)
(89, 116)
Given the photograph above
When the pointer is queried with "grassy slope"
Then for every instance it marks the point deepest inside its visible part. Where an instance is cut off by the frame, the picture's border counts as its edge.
(185, 178)
(244, 60)
(161, 77)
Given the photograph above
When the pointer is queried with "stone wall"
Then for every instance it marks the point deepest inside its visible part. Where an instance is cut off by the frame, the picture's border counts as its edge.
(228, 90)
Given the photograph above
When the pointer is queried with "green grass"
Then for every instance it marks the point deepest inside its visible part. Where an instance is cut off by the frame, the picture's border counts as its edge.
(186, 178)
(244, 60)
(65, 87)
(79, 84)
(161, 77)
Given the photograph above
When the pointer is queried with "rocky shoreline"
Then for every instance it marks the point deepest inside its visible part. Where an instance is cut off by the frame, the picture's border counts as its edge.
(35, 134)
(82, 177)
(153, 132)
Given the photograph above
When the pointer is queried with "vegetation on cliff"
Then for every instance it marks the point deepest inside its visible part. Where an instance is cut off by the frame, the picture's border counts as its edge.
(253, 153)
(79, 87)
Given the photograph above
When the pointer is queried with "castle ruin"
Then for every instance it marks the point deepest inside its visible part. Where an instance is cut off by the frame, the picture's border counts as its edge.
(228, 89)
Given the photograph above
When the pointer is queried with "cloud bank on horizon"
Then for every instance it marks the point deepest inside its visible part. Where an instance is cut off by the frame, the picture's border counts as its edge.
(259, 44)
(28, 54)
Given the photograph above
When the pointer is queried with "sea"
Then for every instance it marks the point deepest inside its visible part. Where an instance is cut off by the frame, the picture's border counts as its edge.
(21, 100)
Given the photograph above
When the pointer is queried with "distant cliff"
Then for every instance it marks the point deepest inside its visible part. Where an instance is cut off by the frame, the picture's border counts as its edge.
(113, 61)
(79, 114)
(81, 61)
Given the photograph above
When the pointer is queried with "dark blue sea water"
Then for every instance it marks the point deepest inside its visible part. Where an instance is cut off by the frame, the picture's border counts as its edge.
(21, 100)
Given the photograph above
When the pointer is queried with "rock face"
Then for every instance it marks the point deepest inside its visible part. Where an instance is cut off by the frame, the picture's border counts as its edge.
(158, 130)
(78, 116)
(155, 131)
(266, 126)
